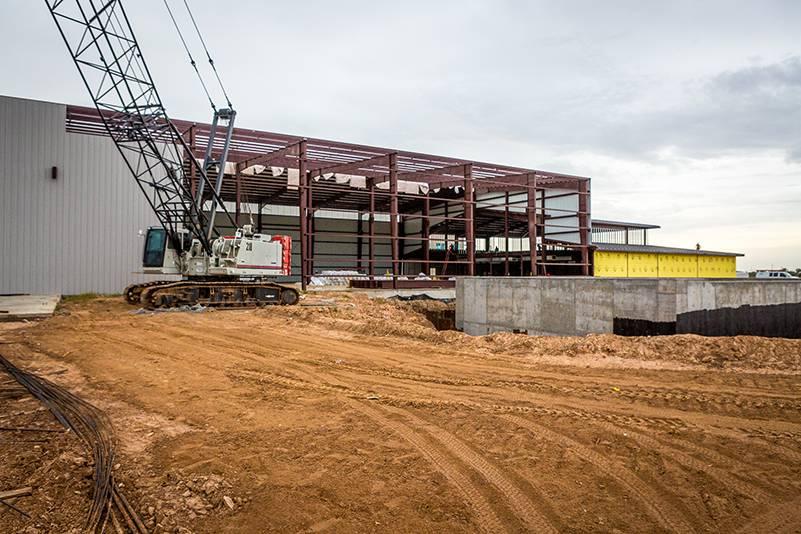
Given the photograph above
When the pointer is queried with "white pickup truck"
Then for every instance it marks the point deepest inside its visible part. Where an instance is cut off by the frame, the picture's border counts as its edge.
(776, 275)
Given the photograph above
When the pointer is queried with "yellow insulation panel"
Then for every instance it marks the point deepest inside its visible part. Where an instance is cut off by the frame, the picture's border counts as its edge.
(655, 265)
(717, 267)
(678, 266)
(611, 264)
(643, 265)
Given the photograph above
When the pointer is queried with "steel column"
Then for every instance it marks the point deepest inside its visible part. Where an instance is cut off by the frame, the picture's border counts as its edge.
(543, 254)
(310, 226)
(426, 231)
(506, 234)
(531, 197)
(584, 225)
(302, 213)
(469, 210)
(371, 229)
(393, 215)
(359, 240)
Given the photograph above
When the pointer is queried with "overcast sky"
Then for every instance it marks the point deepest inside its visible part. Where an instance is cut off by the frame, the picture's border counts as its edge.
(685, 114)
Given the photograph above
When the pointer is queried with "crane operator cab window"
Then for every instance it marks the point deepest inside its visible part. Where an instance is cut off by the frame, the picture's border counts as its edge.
(155, 243)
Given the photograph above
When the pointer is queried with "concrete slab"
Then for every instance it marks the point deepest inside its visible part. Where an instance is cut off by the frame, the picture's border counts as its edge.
(19, 307)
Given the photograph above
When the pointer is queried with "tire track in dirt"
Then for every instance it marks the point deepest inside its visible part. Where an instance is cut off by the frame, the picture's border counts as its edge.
(790, 429)
(256, 357)
(594, 417)
(661, 510)
(592, 405)
(522, 506)
(600, 418)
(668, 395)
(486, 518)
(517, 500)
(781, 518)
(690, 462)
(566, 382)
(780, 450)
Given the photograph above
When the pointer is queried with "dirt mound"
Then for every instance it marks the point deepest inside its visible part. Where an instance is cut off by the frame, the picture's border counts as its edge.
(738, 352)
(357, 313)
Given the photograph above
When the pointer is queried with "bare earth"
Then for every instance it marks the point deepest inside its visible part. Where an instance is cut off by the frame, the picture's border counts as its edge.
(362, 417)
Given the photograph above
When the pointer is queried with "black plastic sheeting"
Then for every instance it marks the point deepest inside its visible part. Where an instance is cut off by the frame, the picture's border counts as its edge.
(640, 327)
(773, 320)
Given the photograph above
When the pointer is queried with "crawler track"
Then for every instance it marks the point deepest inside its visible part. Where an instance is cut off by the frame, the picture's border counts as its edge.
(211, 293)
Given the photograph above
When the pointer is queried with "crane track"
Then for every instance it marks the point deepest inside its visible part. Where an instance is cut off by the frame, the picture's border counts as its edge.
(211, 293)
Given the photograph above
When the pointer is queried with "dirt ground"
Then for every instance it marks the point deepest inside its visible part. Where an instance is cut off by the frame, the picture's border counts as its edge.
(359, 416)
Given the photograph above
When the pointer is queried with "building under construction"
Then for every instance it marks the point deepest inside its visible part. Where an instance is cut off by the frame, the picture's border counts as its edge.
(398, 218)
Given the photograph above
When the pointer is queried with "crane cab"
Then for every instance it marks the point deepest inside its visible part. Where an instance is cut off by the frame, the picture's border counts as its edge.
(159, 255)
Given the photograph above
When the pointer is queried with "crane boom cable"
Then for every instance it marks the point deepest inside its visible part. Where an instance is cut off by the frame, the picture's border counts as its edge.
(208, 55)
(191, 59)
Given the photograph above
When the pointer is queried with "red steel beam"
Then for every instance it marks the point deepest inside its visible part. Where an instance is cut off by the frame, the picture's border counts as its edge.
(393, 215)
(354, 165)
(469, 211)
(261, 159)
(426, 231)
(532, 223)
(426, 173)
(584, 224)
(371, 229)
(302, 207)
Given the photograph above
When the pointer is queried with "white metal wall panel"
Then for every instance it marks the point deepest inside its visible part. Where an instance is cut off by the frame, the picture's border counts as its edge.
(75, 234)
(564, 223)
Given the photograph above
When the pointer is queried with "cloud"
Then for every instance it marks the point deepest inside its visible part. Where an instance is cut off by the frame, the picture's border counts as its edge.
(755, 107)
(761, 80)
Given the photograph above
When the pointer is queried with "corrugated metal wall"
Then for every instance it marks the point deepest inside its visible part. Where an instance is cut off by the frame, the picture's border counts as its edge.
(75, 234)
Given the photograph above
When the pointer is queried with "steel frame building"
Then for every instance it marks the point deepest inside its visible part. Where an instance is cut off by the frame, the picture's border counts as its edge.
(425, 197)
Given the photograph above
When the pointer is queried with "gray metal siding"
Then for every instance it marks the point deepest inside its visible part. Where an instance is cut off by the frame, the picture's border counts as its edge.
(72, 235)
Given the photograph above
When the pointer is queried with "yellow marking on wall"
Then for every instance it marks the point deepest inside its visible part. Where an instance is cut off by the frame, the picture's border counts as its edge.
(656, 265)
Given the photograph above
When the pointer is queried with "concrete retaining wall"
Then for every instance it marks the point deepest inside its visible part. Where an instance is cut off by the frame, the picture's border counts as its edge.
(580, 305)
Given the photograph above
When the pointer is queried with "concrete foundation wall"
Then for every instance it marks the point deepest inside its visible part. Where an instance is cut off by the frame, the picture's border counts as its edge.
(580, 305)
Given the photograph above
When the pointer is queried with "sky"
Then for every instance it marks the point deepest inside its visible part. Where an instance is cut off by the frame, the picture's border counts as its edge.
(685, 114)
